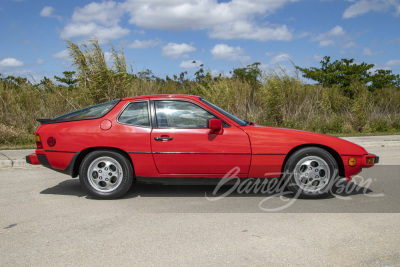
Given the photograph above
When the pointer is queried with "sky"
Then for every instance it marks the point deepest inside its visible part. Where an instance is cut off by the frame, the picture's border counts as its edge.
(167, 36)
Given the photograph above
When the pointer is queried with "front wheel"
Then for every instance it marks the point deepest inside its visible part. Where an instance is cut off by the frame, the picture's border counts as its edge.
(311, 172)
(106, 174)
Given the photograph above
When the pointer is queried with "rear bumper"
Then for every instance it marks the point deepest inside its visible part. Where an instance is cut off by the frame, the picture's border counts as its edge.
(39, 159)
(32, 159)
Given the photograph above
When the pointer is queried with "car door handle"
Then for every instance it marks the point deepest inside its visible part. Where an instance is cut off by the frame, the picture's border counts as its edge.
(166, 138)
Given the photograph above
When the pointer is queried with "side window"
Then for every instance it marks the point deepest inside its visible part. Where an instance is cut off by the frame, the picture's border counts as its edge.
(181, 114)
(136, 113)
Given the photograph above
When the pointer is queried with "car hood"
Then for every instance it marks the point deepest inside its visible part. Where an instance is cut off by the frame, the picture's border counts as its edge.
(282, 141)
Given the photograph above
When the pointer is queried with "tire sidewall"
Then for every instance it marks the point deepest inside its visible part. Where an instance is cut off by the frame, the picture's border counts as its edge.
(290, 166)
(127, 178)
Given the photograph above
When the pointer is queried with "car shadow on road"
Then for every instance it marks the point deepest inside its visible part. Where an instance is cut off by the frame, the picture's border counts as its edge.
(72, 187)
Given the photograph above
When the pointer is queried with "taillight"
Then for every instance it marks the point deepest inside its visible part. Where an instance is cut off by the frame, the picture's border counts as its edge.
(38, 142)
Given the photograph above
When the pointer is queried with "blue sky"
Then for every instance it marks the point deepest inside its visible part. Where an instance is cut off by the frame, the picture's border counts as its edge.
(167, 36)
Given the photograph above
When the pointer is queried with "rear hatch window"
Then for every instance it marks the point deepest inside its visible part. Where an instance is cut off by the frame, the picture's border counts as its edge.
(88, 113)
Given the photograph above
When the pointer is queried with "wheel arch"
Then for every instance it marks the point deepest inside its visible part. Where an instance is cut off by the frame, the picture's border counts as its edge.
(330, 150)
(85, 152)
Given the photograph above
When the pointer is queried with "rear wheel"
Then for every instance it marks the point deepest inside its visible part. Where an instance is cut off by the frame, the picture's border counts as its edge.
(106, 174)
(311, 172)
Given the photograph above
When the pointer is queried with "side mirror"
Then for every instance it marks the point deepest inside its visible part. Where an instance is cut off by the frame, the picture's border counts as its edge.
(216, 126)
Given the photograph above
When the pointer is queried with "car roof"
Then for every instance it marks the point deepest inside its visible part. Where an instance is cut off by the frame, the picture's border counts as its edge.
(161, 96)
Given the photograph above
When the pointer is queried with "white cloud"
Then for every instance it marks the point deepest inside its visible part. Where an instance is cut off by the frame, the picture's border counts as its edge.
(280, 58)
(11, 62)
(106, 13)
(235, 19)
(250, 31)
(103, 34)
(328, 38)
(190, 64)
(364, 6)
(66, 61)
(368, 53)
(47, 11)
(336, 31)
(216, 73)
(393, 41)
(326, 42)
(138, 44)
(108, 56)
(393, 62)
(175, 51)
(225, 20)
(228, 53)
(62, 54)
(96, 19)
(39, 61)
(318, 58)
(349, 45)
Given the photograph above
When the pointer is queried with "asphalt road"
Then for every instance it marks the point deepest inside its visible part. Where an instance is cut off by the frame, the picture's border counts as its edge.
(47, 219)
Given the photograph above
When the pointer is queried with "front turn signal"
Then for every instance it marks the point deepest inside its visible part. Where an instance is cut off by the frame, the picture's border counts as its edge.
(370, 161)
(352, 161)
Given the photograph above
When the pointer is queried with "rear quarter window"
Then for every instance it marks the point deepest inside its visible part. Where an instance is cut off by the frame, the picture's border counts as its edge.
(136, 113)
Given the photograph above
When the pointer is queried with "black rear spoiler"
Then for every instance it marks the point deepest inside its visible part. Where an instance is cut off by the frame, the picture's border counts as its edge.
(44, 121)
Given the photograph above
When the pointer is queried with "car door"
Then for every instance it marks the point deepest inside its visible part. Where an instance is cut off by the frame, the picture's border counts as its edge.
(182, 143)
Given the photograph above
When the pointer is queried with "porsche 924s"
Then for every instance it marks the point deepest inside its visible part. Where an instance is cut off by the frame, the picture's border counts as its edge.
(113, 144)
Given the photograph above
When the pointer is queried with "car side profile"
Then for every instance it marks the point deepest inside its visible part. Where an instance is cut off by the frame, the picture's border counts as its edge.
(161, 137)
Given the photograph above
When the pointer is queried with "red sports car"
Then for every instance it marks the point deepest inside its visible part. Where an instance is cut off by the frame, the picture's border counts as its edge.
(113, 144)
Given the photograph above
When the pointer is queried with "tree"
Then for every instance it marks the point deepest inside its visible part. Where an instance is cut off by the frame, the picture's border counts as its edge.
(252, 73)
(199, 74)
(45, 81)
(339, 73)
(344, 72)
(146, 75)
(18, 81)
(68, 79)
(384, 78)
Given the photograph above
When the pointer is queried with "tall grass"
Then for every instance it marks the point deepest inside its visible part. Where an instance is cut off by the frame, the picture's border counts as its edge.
(280, 99)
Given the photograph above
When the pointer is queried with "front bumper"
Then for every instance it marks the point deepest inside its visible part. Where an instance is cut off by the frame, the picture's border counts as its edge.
(362, 161)
(369, 160)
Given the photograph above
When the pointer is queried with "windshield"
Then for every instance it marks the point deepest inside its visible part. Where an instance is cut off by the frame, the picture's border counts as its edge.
(92, 112)
(227, 114)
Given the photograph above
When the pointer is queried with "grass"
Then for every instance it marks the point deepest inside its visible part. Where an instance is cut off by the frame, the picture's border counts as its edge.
(366, 134)
(277, 100)
(17, 147)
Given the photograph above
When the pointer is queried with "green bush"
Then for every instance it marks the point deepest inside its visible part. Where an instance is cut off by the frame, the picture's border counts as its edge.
(278, 100)
(379, 125)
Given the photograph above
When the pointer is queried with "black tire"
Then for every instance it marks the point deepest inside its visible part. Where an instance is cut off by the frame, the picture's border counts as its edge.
(106, 174)
(311, 172)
